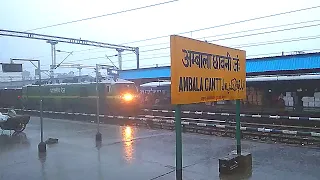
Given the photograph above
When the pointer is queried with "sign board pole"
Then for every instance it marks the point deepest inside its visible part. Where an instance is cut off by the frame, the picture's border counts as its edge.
(98, 135)
(177, 117)
(238, 130)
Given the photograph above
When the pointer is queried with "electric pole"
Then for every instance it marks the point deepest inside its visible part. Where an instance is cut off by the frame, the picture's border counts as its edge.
(53, 56)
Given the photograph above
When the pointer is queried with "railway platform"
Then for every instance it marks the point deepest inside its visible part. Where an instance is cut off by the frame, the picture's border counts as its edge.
(139, 153)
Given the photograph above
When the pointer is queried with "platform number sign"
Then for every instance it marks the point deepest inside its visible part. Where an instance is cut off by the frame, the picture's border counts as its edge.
(10, 67)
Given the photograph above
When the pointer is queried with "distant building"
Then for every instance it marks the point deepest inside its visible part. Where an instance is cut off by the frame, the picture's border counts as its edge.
(12, 76)
(8, 77)
(26, 75)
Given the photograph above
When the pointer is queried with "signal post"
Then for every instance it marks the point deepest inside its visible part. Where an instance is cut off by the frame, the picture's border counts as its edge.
(204, 72)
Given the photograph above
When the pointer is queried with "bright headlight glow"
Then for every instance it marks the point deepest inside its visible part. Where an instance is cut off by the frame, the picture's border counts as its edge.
(127, 97)
(128, 131)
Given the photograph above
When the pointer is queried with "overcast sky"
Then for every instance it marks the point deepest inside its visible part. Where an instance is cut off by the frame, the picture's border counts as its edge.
(171, 18)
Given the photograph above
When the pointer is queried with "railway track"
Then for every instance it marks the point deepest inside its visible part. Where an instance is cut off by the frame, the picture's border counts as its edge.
(259, 125)
(254, 131)
(310, 122)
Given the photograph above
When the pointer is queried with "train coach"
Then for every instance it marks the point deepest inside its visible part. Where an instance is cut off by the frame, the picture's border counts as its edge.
(270, 93)
(115, 97)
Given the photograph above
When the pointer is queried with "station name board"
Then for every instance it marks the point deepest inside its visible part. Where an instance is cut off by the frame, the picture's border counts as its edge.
(204, 72)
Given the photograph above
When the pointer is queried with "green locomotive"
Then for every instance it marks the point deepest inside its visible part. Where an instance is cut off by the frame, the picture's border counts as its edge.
(117, 97)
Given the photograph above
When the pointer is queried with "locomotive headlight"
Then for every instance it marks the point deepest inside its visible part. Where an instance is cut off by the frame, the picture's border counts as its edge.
(127, 97)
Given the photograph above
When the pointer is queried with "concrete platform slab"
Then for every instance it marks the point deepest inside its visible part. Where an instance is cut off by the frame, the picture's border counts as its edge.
(138, 153)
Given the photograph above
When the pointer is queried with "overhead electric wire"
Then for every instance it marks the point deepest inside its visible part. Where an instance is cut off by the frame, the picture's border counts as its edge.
(263, 28)
(232, 23)
(250, 30)
(254, 55)
(111, 61)
(100, 57)
(235, 46)
(260, 33)
(222, 25)
(277, 41)
(237, 32)
(255, 44)
(275, 53)
(104, 15)
(227, 24)
(267, 32)
(147, 58)
(108, 57)
(241, 36)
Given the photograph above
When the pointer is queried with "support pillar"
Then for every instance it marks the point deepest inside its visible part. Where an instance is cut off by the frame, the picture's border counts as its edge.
(138, 57)
(120, 58)
(53, 56)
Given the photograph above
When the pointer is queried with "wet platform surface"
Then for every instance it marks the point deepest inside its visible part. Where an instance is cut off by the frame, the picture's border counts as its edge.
(142, 154)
